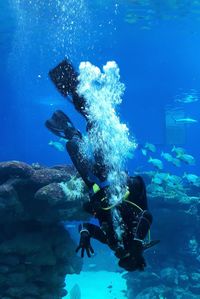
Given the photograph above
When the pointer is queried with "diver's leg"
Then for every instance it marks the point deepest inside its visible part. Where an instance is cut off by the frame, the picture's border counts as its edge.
(135, 260)
(81, 163)
(100, 169)
(138, 197)
(143, 217)
(138, 225)
(145, 220)
(61, 125)
(65, 78)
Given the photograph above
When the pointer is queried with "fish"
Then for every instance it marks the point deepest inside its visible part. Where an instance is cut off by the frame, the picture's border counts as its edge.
(167, 156)
(92, 265)
(150, 147)
(174, 179)
(187, 120)
(168, 179)
(144, 151)
(156, 189)
(163, 175)
(57, 145)
(156, 163)
(171, 185)
(156, 180)
(189, 159)
(159, 178)
(160, 189)
(192, 178)
(188, 98)
(176, 162)
(178, 150)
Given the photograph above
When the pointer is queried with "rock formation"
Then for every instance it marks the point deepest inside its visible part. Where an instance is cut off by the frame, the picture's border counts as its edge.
(36, 251)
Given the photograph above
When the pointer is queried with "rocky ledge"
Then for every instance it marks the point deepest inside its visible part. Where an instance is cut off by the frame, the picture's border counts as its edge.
(36, 251)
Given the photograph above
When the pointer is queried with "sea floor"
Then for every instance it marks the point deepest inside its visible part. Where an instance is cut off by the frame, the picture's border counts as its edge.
(98, 285)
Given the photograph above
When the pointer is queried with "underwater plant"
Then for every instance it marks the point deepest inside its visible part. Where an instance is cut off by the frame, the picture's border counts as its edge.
(73, 189)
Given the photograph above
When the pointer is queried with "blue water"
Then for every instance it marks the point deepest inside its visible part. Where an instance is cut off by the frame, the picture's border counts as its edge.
(157, 52)
(155, 64)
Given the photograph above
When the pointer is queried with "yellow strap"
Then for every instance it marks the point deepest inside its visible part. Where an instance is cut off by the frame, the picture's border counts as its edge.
(109, 208)
(95, 188)
(130, 202)
(134, 204)
(126, 195)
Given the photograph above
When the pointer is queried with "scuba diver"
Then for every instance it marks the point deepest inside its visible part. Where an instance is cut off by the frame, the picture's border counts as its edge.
(133, 208)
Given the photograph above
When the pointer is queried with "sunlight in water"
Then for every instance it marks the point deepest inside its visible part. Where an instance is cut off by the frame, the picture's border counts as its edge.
(65, 21)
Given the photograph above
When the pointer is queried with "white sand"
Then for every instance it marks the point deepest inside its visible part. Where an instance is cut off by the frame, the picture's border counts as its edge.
(94, 285)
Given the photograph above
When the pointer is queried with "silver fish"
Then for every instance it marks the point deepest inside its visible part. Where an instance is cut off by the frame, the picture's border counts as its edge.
(156, 162)
(187, 120)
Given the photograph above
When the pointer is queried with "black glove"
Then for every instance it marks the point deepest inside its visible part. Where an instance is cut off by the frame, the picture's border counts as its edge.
(134, 260)
(85, 244)
(130, 263)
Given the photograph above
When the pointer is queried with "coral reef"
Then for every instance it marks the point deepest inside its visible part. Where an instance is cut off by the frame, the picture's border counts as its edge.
(36, 251)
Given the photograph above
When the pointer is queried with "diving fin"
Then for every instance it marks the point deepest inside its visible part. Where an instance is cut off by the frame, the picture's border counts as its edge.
(60, 125)
(64, 78)
(150, 244)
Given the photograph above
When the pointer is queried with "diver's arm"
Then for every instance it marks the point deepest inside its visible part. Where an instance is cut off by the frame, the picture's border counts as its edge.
(87, 231)
(94, 231)
(84, 243)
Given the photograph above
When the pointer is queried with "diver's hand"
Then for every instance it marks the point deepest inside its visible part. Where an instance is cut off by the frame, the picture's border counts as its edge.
(84, 244)
(134, 260)
(131, 263)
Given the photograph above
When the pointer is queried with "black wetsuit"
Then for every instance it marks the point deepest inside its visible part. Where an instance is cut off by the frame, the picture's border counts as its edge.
(136, 219)
(131, 215)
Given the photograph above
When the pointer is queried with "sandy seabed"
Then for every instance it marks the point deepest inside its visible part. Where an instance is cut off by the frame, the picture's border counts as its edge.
(98, 285)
